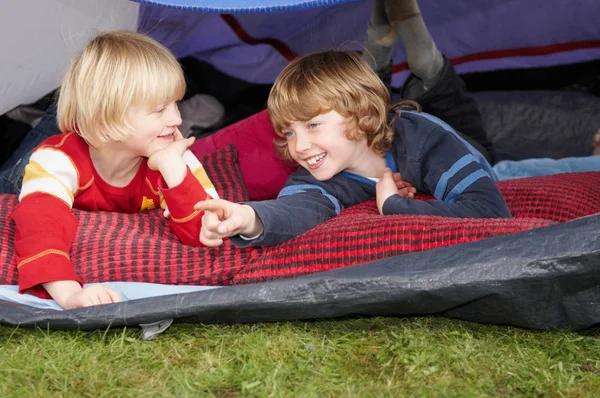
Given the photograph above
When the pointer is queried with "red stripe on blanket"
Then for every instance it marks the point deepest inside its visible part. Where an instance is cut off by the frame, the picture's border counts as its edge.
(560, 197)
(354, 239)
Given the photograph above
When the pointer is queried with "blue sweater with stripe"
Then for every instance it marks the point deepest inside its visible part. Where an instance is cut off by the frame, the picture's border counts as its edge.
(426, 151)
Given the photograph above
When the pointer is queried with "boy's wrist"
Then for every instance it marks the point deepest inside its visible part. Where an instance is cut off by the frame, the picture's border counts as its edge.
(254, 227)
(61, 291)
(173, 172)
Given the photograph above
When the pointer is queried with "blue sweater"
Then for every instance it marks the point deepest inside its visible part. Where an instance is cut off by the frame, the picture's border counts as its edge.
(426, 151)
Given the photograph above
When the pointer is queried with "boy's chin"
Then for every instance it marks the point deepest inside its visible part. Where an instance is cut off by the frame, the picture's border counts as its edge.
(317, 174)
(158, 147)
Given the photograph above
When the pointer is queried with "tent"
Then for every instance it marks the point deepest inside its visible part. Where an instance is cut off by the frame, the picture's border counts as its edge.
(542, 278)
(253, 40)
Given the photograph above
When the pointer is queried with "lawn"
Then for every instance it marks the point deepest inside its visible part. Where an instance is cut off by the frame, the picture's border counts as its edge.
(374, 357)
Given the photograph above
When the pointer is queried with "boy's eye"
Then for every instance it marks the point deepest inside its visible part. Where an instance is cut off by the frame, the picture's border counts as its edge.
(159, 110)
(313, 125)
(288, 134)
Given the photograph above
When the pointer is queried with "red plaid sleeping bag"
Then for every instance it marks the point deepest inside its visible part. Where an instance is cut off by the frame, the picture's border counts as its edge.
(140, 247)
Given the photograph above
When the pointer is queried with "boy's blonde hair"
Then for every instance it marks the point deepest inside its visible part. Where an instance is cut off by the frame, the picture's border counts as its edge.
(116, 70)
(332, 80)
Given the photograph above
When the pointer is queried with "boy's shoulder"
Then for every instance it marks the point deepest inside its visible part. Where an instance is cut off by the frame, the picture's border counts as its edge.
(413, 129)
(69, 143)
(69, 147)
(412, 123)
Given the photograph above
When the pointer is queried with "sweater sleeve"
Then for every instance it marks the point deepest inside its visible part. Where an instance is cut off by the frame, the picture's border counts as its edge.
(454, 177)
(179, 201)
(298, 208)
(44, 231)
(44, 223)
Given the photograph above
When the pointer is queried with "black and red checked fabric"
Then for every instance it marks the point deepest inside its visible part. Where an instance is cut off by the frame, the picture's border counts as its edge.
(559, 197)
(359, 234)
(140, 247)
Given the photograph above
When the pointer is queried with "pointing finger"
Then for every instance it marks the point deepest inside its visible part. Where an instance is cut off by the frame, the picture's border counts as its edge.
(211, 205)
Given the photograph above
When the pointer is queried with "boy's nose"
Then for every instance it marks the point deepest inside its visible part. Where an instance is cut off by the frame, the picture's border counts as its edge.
(175, 116)
(303, 142)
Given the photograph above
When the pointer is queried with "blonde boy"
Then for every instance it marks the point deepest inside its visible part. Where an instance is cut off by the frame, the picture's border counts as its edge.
(120, 150)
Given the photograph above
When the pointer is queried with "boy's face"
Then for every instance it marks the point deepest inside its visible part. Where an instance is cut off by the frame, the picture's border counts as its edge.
(320, 145)
(154, 128)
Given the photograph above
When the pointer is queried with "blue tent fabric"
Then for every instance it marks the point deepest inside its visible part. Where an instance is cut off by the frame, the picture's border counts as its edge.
(475, 36)
(242, 6)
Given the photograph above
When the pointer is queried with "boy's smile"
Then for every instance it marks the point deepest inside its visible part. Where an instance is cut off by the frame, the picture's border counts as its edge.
(155, 128)
(321, 146)
(168, 137)
(315, 161)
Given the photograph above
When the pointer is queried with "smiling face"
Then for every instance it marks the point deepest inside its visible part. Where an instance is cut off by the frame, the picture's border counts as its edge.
(300, 108)
(109, 86)
(321, 146)
(154, 128)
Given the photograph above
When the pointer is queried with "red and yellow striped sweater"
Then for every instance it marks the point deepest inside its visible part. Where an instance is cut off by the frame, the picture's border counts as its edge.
(61, 176)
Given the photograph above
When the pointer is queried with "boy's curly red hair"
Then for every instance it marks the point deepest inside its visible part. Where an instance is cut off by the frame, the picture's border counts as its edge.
(332, 80)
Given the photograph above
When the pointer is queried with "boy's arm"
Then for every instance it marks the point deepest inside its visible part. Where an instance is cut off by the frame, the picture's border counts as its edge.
(458, 182)
(44, 230)
(302, 204)
(179, 204)
(44, 224)
(262, 223)
(286, 217)
(181, 194)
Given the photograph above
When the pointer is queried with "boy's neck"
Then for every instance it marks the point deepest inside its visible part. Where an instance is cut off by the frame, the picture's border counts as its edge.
(116, 168)
(369, 164)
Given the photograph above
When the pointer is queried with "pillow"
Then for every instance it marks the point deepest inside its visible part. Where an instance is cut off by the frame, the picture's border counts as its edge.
(140, 247)
(359, 234)
(264, 171)
(558, 197)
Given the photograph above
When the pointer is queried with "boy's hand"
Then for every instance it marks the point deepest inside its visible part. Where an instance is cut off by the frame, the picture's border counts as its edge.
(405, 188)
(392, 184)
(69, 294)
(169, 161)
(222, 219)
(161, 159)
(93, 295)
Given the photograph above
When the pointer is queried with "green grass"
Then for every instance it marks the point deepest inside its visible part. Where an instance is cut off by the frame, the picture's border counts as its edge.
(377, 357)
